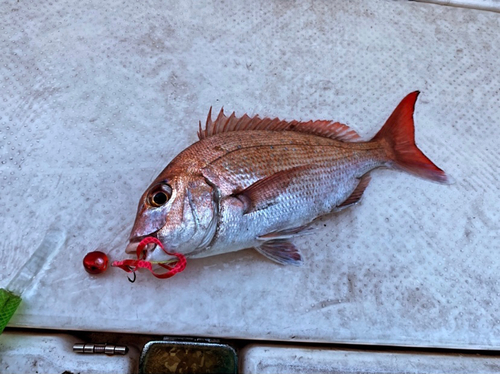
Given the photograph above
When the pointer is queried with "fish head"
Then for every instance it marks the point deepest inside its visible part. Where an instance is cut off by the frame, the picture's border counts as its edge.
(180, 211)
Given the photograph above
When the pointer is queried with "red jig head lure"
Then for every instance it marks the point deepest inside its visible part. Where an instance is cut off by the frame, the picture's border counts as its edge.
(95, 262)
(131, 266)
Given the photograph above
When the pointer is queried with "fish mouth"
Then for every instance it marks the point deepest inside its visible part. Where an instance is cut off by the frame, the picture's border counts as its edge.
(134, 243)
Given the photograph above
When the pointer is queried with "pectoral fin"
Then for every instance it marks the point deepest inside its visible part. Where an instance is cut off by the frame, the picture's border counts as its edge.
(281, 251)
(265, 191)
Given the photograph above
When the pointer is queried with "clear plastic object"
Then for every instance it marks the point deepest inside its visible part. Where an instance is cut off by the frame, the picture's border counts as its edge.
(10, 297)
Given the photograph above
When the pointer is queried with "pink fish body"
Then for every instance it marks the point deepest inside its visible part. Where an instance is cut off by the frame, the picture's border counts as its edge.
(257, 183)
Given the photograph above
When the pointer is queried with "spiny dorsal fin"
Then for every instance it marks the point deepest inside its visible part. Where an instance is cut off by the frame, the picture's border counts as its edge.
(327, 129)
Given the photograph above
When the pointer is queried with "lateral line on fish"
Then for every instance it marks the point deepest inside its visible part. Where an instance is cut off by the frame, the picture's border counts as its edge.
(376, 145)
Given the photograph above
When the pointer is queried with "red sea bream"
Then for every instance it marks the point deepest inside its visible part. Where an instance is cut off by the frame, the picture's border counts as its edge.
(257, 183)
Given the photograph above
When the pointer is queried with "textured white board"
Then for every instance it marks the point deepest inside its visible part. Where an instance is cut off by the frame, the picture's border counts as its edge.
(97, 97)
(275, 359)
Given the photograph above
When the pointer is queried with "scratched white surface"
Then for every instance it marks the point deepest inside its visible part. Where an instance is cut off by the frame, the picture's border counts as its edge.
(97, 97)
(270, 359)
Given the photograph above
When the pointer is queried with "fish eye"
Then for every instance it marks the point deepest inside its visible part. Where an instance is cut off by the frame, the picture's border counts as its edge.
(160, 195)
(160, 198)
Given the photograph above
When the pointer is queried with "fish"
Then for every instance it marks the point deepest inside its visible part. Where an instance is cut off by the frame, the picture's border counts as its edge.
(252, 182)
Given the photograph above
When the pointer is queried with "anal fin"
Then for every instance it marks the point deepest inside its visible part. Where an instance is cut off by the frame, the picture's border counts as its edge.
(357, 193)
(281, 251)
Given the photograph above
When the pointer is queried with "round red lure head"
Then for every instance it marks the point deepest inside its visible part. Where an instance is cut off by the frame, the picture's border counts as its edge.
(95, 262)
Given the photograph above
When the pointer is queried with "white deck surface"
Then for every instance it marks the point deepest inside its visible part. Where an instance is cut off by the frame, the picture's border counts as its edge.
(272, 359)
(97, 97)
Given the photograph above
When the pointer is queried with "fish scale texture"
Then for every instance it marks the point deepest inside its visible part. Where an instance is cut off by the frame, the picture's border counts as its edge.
(245, 158)
(97, 97)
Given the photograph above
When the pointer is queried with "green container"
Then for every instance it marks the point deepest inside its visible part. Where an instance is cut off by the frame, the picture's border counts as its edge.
(8, 304)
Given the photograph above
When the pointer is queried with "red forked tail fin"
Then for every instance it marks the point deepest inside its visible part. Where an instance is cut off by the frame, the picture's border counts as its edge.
(398, 134)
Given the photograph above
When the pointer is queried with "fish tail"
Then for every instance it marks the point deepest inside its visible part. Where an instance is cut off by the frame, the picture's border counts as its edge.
(398, 138)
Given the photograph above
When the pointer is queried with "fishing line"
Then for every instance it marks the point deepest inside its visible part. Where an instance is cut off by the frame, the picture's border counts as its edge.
(131, 265)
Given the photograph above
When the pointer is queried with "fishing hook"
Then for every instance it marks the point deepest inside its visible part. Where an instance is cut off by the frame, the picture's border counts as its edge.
(132, 280)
